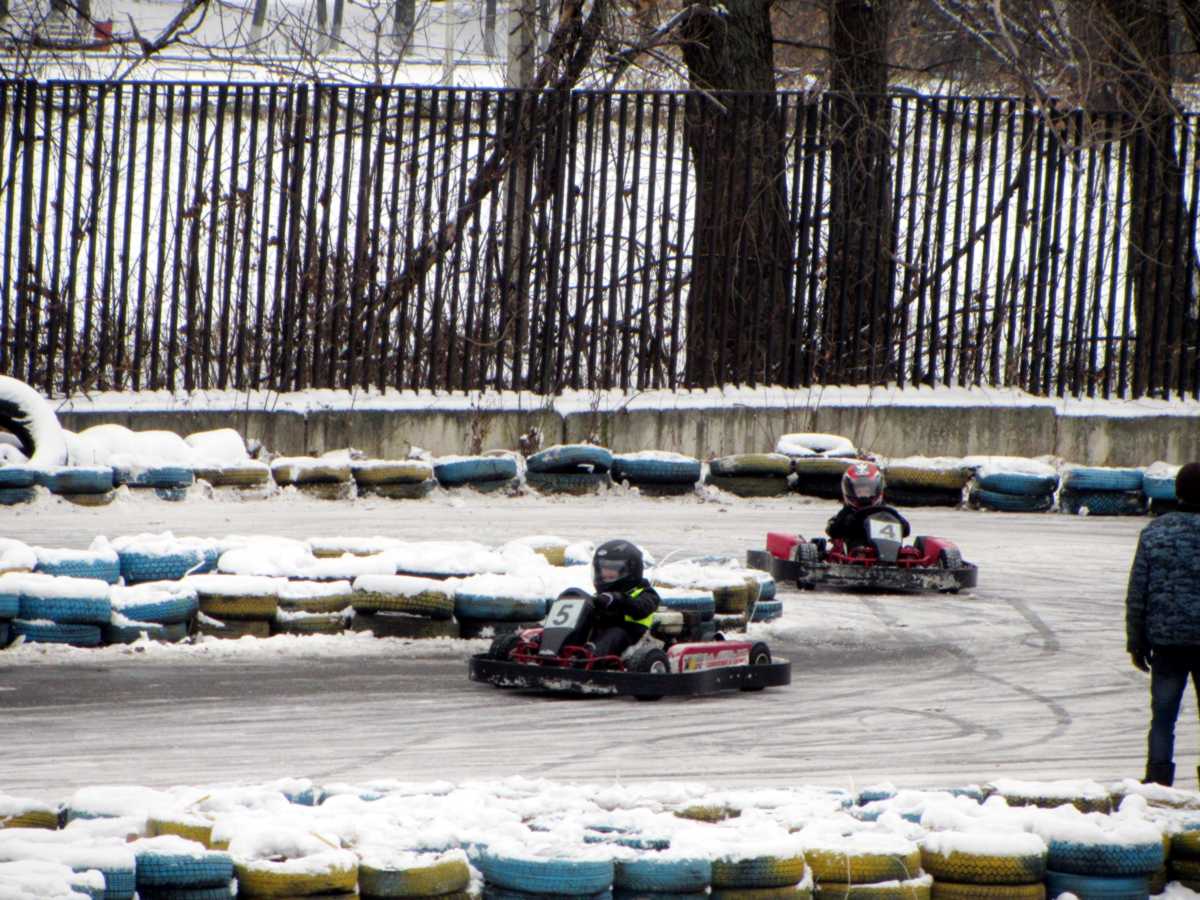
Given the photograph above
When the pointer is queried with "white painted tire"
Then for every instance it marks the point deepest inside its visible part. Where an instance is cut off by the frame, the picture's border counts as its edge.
(25, 413)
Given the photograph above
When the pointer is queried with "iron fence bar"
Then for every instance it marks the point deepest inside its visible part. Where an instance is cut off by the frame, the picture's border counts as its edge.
(393, 231)
(22, 292)
(1172, 364)
(40, 295)
(336, 342)
(935, 299)
(1101, 246)
(680, 251)
(1081, 311)
(597, 282)
(260, 323)
(1075, 158)
(1194, 353)
(89, 300)
(474, 284)
(814, 329)
(244, 199)
(228, 263)
(986, 321)
(122, 348)
(10, 121)
(1122, 168)
(317, 241)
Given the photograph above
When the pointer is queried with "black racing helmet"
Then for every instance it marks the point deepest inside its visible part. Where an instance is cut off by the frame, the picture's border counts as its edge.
(617, 566)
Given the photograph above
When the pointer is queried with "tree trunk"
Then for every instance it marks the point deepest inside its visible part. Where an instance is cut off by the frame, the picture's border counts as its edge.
(737, 308)
(1159, 263)
(856, 326)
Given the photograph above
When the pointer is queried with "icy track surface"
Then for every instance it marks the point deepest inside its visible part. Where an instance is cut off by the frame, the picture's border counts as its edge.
(1025, 678)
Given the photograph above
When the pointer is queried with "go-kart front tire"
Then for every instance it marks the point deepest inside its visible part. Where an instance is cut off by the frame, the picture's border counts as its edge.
(760, 655)
(650, 661)
(503, 646)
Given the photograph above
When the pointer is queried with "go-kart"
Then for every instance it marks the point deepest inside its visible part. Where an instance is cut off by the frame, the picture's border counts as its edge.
(557, 657)
(883, 564)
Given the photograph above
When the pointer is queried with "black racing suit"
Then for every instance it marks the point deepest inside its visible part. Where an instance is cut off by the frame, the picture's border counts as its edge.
(850, 524)
(622, 622)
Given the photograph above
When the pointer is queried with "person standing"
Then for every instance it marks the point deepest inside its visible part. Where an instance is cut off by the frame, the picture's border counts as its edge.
(1162, 617)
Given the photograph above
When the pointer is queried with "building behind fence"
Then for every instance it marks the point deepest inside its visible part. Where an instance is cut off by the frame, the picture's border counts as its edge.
(182, 236)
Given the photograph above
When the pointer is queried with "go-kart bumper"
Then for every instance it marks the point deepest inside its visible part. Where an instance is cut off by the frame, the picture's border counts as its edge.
(874, 577)
(527, 676)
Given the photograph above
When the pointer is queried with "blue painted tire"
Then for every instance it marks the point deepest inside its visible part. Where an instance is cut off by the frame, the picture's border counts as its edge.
(767, 588)
(492, 892)
(12, 496)
(171, 494)
(476, 468)
(167, 611)
(673, 876)
(1096, 887)
(1087, 478)
(83, 566)
(203, 893)
(546, 876)
(1156, 487)
(17, 477)
(1001, 502)
(567, 482)
(571, 458)
(127, 634)
(10, 606)
(155, 477)
(210, 869)
(1103, 503)
(1104, 859)
(67, 610)
(137, 567)
(6, 634)
(500, 609)
(766, 610)
(119, 884)
(662, 895)
(41, 633)
(84, 480)
(655, 471)
(1022, 483)
(701, 602)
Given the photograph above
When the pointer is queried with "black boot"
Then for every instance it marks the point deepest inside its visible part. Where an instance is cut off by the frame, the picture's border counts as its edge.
(1160, 773)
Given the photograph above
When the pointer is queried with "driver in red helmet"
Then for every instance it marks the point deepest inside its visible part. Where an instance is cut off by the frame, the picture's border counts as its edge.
(862, 492)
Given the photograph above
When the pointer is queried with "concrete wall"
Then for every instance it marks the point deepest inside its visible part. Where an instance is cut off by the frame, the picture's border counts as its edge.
(892, 430)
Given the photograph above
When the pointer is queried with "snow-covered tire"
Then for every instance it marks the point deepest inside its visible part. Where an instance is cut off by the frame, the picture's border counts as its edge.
(41, 632)
(546, 876)
(89, 500)
(755, 465)
(1001, 502)
(225, 607)
(21, 477)
(268, 878)
(77, 479)
(920, 478)
(13, 496)
(373, 472)
(1102, 503)
(767, 610)
(983, 868)
(1096, 478)
(470, 606)
(193, 829)
(577, 483)
(156, 869)
(10, 604)
(154, 631)
(310, 470)
(25, 413)
(154, 477)
(1021, 483)
(571, 458)
(949, 890)
(138, 566)
(239, 475)
(422, 879)
(1104, 859)
(682, 600)
(101, 565)
(1097, 887)
(399, 491)
(637, 470)
(77, 610)
(455, 472)
(403, 593)
(1156, 487)
(44, 819)
(862, 868)
(759, 872)
(662, 874)
(120, 881)
(749, 485)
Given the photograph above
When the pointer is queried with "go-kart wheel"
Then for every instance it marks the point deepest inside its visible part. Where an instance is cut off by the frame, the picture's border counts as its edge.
(760, 655)
(650, 661)
(503, 646)
(950, 558)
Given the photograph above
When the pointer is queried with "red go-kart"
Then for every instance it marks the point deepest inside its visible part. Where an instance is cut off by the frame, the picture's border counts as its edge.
(883, 564)
(556, 657)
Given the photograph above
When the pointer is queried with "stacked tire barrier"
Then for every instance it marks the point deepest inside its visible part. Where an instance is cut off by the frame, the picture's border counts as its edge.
(487, 474)
(657, 473)
(873, 866)
(404, 479)
(404, 606)
(569, 469)
(1097, 491)
(317, 477)
(1158, 484)
(967, 866)
(1184, 862)
(1025, 488)
(751, 474)
(922, 482)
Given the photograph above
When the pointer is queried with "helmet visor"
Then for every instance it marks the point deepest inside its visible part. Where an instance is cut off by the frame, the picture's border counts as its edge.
(864, 488)
(610, 571)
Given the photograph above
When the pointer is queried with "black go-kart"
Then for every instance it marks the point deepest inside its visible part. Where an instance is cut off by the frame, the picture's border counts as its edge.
(931, 564)
(665, 663)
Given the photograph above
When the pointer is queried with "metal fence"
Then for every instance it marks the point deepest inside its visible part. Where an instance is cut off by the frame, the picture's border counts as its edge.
(175, 235)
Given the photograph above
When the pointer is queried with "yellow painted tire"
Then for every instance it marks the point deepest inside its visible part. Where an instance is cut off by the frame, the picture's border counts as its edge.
(807, 466)
(780, 893)
(707, 812)
(191, 830)
(398, 471)
(34, 818)
(247, 475)
(1185, 869)
(444, 877)
(862, 868)
(102, 499)
(430, 604)
(909, 889)
(949, 478)
(265, 878)
(327, 490)
(759, 872)
(750, 485)
(312, 623)
(330, 603)
(948, 890)
(971, 868)
(308, 472)
(774, 465)
(234, 629)
(1185, 845)
(224, 606)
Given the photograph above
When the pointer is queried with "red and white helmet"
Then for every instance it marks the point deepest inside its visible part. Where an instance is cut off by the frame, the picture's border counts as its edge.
(862, 485)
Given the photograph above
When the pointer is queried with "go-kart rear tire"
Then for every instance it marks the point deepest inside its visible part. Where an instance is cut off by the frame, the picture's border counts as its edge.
(503, 646)
(950, 559)
(760, 655)
(650, 661)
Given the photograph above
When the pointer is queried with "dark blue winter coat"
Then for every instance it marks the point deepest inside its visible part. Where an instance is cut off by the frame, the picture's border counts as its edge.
(1162, 605)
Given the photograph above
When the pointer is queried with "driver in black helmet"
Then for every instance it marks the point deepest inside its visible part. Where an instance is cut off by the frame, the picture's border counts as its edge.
(862, 493)
(624, 601)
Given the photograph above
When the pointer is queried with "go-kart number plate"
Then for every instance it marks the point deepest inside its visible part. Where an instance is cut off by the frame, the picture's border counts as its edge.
(565, 614)
(884, 529)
